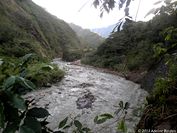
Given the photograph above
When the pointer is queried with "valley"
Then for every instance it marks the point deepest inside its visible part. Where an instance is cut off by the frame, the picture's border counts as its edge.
(52, 77)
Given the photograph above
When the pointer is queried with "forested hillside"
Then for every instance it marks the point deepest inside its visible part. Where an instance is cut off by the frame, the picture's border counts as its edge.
(145, 52)
(133, 47)
(87, 37)
(26, 27)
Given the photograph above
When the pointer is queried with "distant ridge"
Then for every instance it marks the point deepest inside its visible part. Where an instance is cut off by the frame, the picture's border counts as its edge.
(105, 31)
(92, 39)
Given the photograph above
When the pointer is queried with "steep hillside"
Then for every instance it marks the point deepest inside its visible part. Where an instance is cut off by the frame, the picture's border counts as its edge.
(25, 27)
(87, 37)
(134, 46)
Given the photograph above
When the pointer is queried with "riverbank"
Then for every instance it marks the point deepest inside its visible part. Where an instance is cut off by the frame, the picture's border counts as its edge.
(160, 111)
(134, 76)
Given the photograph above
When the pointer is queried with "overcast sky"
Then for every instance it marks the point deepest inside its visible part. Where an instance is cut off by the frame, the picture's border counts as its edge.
(83, 13)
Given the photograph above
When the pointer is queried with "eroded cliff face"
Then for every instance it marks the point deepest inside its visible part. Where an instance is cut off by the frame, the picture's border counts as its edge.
(159, 69)
(160, 113)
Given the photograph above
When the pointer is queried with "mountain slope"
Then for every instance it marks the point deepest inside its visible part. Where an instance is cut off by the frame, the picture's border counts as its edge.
(92, 40)
(25, 27)
(134, 46)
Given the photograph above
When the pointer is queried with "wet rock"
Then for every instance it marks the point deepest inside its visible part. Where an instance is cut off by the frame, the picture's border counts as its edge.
(85, 101)
(159, 70)
(84, 85)
(48, 85)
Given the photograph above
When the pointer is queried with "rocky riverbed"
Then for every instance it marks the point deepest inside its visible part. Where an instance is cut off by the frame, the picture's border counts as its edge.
(88, 92)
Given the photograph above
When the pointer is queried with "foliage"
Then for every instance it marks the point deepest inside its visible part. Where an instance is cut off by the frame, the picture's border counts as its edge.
(32, 68)
(169, 44)
(15, 113)
(119, 114)
(76, 125)
(167, 6)
(91, 39)
(161, 102)
(22, 42)
(108, 5)
(164, 85)
(102, 118)
(71, 55)
(140, 57)
(39, 32)
(121, 126)
(137, 46)
(43, 73)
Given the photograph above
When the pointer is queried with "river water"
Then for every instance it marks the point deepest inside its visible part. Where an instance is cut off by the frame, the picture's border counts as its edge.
(88, 92)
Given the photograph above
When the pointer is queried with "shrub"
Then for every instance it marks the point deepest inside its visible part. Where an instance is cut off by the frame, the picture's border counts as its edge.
(43, 73)
(32, 68)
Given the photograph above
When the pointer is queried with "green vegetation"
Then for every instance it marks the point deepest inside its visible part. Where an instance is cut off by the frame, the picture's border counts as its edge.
(43, 73)
(141, 47)
(27, 28)
(16, 114)
(32, 68)
(88, 38)
(146, 49)
(161, 104)
(134, 46)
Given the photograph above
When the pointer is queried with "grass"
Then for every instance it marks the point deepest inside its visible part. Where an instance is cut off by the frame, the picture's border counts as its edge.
(39, 71)
(39, 32)
(43, 73)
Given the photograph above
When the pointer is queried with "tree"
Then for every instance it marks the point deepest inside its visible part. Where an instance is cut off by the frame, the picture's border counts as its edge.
(108, 5)
(165, 6)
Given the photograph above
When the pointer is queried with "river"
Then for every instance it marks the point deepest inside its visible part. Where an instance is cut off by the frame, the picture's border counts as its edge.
(88, 92)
